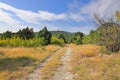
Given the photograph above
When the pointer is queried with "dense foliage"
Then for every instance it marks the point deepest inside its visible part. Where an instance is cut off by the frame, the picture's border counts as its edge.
(67, 35)
(44, 33)
(57, 41)
(7, 34)
(77, 38)
(27, 38)
(92, 38)
(26, 33)
(110, 36)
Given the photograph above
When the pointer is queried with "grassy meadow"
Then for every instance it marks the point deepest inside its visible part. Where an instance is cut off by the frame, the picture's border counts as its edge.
(18, 62)
(87, 63)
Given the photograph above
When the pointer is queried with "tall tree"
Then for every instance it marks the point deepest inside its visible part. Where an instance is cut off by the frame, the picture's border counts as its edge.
(26, 33)
(45, 34)
(7, 34)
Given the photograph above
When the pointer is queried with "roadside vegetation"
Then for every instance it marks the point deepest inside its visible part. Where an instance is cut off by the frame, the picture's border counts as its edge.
(18, 62)
(87, 63)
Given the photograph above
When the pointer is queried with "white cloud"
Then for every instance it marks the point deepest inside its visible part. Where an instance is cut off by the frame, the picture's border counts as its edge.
(76, 17)
(82, 12)
(29, 16)
(16, 27)
(103, 7)
(37, 17)
(51, 16)
(7, 18)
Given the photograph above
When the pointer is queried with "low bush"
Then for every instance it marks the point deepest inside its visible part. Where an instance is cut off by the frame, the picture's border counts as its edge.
(18, 42)
(57, 41)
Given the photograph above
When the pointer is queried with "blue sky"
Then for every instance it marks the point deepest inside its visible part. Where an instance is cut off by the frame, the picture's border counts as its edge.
(67, 15)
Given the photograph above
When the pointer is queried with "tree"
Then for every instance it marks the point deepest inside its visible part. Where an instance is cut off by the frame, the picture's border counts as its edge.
(110, 36)
(77, 38)
(7, 34)
(56, 41)
(26, 33)
(91, 38)
(62, 37)
(109, 32)
(46, 34)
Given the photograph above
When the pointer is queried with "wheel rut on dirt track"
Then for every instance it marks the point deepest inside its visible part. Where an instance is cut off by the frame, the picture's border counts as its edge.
(36, 73)
(63, 72)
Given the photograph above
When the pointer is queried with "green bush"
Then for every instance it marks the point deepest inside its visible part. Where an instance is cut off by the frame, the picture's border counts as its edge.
(92, 38)
(57, 41)
(77, 38)
(18, 42)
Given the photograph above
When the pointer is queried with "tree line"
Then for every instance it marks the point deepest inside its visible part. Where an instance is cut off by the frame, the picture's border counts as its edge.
(27, 37)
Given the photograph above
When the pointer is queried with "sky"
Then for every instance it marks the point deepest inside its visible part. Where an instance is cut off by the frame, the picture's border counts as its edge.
(62, 15)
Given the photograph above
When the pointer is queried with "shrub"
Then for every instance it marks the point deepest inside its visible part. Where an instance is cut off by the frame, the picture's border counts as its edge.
(77, 38)
(17, 42)
(57, 41)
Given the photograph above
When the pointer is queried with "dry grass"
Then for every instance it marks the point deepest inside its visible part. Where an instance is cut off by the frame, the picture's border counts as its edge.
(17, 62)
(50, 68)
(88, 65)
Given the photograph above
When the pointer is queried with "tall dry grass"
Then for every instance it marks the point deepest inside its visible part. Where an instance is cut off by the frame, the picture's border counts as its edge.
(87, 64)
(18, 62)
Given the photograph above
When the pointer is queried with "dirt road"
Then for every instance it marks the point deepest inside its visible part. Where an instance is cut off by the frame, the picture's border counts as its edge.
(63, 73)
(36, 73)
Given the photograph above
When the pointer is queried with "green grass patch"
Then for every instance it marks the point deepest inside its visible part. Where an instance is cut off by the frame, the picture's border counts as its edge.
(11, 64)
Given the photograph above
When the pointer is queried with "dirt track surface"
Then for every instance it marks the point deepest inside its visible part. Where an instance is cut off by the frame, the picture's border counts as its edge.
(63, 72)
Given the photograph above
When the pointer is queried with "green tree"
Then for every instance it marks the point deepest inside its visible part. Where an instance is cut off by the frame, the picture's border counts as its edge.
(26, 33)
(7, 34)
(91, 38)
(56, 41)
(45, 34)
(77, 38)
(62, 37)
